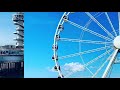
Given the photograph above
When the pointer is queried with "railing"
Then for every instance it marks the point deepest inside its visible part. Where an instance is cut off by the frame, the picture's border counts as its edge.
(12, 69)
(11, 65)
(13, 53)
(18, 17)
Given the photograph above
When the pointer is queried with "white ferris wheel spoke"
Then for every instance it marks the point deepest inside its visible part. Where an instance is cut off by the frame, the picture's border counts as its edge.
(68, 75)
(118, 61)
(97, 58)
(96, 15)
(119, 21)
(101, 26)
(90, 31)
(108, 18)
(85, 65)
(85, 52)
(109, 41)
(110, 63)
(94, 60)
(84, 41)
(101, 67)
(71, 73)
(91, 20)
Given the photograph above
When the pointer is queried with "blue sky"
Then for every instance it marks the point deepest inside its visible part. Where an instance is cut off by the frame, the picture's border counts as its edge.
(40, 28)
(39, 33)
(6, 28)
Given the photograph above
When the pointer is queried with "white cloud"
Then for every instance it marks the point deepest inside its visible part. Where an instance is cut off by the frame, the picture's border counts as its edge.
(51, 69)
(73, 67)
(69, 67)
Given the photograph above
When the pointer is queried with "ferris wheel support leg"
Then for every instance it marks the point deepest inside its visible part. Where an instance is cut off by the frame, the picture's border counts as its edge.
(110, 64)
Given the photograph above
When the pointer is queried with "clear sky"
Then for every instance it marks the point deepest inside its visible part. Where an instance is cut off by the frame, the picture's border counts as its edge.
(40, 28)
(6, 28)
(39, 33)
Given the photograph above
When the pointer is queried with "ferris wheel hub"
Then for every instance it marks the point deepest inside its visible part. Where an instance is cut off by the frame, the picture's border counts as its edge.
(116, 42)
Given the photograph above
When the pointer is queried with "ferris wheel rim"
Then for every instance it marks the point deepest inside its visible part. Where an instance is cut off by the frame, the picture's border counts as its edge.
(55, 42)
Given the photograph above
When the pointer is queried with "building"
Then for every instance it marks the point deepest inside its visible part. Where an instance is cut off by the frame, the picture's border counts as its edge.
(12, 56)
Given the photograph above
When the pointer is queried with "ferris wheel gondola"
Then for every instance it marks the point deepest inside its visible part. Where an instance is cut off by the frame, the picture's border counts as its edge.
(110, 41)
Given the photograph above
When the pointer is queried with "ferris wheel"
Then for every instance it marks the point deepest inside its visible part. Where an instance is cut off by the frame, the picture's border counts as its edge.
(89, 45)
